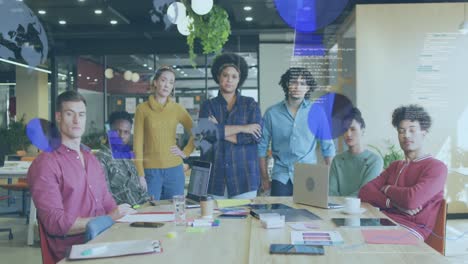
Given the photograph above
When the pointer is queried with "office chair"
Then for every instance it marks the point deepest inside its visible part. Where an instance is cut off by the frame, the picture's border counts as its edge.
(437, 238)
(10, 234)
(47, 257)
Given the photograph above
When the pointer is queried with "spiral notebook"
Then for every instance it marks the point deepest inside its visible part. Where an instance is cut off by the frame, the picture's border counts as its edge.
(114, 249)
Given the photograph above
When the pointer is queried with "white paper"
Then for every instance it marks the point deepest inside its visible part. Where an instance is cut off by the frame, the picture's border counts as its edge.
(130, 104)
(303, 226)
(113, 249)
(147, 218)
(187, 102)
(316, 238)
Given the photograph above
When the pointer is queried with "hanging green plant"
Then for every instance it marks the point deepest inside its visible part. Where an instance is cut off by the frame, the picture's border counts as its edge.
(212, 29)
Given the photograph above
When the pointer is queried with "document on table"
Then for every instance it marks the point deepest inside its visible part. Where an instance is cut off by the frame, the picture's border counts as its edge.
(153, 217)
(325, 238)
(397, 237)
(114, 249)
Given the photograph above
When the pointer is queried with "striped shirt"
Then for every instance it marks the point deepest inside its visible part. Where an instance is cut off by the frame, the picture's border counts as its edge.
(235, 166)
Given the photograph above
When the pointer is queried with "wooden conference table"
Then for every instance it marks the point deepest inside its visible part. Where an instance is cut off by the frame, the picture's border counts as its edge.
(246, 241)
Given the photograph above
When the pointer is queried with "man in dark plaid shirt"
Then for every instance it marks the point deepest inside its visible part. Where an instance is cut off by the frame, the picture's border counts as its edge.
(235, 172)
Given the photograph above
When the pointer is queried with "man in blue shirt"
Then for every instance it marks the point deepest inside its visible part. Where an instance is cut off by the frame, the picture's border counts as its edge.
(285, 125)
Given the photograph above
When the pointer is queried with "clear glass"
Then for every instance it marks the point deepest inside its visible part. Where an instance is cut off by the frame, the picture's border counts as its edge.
(179, 210)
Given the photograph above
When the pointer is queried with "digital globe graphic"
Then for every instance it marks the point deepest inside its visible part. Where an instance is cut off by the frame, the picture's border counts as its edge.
(22, 36)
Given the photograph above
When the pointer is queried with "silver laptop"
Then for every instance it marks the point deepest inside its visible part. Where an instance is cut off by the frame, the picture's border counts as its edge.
(198, 185)
(311, 186)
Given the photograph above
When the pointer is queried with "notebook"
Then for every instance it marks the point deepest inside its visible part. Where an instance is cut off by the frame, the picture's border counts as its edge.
(198, 185)
(311, 186)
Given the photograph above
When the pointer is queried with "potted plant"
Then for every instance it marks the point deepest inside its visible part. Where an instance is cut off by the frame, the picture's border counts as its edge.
(392, 153)
(212, 30)
(15, 137)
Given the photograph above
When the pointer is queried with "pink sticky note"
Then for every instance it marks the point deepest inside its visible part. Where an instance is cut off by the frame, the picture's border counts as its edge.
(397, 237)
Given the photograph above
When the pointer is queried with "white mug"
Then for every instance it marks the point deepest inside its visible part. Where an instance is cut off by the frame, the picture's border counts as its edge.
(352, 205)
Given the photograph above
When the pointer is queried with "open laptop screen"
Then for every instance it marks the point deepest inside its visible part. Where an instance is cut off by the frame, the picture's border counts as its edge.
(199, 178)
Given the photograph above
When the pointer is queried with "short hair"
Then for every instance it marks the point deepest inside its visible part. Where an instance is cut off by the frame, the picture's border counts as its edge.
(119, 115)
(230, 60)
(354, 114)
(294, 73)
(68, 96)
(413, 113)
(158, 73)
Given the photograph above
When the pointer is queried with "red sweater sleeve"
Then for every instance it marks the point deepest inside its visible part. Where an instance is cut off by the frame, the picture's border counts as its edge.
(430, 182)
(371, 193)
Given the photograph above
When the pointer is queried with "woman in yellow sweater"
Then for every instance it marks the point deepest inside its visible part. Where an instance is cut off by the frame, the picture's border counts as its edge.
(157, 157)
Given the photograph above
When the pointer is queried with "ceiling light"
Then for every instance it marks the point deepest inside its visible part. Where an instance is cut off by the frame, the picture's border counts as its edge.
(185, 75)
(176, 12)
(174, 66)
(202, 7)
(87, 78)
(62, 22)
(145, 65)
(41, 12)
(182, 72)
(98, 11)
(79, 75)
(70, 73)
(150, 68)
(247, 8)
(81, 0)
(95, 80)
(248, 19)
(113, 22)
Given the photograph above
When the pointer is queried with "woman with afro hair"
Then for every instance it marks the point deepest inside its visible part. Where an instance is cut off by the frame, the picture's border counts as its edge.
(235, 170)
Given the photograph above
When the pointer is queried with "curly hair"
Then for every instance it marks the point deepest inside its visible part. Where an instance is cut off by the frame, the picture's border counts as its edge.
(294, 73)
(354, 114)
(413, 113)
(230, 60)
(119, 115)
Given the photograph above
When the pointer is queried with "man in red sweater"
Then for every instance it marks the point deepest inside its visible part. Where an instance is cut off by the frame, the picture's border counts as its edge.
(410, 191)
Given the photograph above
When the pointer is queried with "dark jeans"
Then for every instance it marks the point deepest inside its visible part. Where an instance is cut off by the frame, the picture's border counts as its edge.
(280, 189)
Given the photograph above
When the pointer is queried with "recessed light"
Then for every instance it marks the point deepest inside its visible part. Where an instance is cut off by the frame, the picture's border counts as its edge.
(62, 22)
(150, 68)
(248, 19)
(247, 8)
(185, 75)
(98, 11)
(145, 65)
(41, 12)
(95, 80)
(174, 66)
(182, 72)
(81, 0)
(113, 22)
(79, 75)
(178, 69)
(70, 73)
(87, 78)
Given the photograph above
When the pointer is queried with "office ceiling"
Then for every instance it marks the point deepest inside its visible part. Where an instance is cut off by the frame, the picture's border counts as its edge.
(140, 29)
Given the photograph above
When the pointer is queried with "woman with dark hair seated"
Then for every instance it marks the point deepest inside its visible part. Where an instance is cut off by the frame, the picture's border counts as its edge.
(357, 166)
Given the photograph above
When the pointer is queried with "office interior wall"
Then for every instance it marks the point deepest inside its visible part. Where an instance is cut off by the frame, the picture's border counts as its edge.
(413, 53)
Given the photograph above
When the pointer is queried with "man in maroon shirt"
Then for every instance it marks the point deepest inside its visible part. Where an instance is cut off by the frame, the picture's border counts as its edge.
(68, 185)
(410, 191)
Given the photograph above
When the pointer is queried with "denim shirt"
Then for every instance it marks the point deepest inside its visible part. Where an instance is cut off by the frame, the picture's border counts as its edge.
(291, 140)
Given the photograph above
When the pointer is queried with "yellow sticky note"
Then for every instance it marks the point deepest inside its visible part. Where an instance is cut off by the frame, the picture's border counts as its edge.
(232, 202)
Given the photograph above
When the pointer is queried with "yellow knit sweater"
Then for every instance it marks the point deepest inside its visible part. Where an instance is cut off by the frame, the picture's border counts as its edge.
(155, 133)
